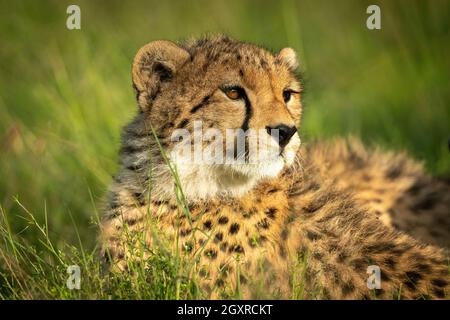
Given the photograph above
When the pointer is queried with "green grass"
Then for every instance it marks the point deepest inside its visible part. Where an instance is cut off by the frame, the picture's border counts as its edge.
(65, 94)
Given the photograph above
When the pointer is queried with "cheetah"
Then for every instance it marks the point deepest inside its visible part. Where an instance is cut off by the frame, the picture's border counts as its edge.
(315, 216)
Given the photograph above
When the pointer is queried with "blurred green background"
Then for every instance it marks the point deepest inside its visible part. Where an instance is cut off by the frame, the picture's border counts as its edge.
(65, 94)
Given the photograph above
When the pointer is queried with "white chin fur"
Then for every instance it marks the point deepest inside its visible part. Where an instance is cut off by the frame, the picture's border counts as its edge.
(202, 181)
(290, 152)
(269, 169)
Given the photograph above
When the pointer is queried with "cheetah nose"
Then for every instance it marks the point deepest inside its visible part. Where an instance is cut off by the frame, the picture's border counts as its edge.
(285, 133)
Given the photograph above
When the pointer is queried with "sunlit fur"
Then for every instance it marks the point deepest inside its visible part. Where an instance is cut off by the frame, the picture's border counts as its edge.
(311, 219)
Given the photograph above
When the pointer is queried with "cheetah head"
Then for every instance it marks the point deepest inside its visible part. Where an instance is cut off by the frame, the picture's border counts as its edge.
(225, 112)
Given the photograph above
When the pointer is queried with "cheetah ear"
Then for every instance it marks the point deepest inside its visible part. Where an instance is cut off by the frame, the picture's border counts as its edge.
(155, 63)
(289, 57)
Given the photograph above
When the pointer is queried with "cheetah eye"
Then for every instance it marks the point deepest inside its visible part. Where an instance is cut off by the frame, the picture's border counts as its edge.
(287, 94)
(234, 93)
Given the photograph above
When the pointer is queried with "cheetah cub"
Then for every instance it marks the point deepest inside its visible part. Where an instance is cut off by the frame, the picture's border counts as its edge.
(314, 217)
